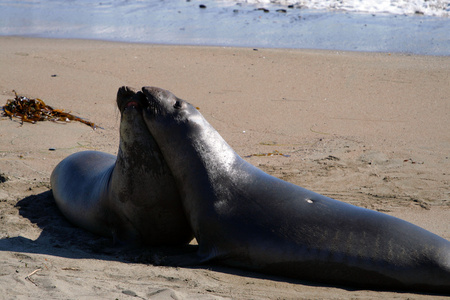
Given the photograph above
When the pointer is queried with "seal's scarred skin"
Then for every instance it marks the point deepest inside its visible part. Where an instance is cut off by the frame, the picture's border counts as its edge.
(131, 197)
(246, 218)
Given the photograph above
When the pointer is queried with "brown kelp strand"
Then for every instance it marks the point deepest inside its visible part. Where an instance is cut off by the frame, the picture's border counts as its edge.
(34, 110)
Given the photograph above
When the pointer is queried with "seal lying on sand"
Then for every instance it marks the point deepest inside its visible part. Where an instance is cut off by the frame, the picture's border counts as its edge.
(133, 197)
(246, 218)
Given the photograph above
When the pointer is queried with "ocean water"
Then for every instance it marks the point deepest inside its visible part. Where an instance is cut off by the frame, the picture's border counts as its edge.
(405, 26)
(440, 8)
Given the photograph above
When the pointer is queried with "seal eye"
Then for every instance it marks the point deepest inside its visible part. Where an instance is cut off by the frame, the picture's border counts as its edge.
(177, 104)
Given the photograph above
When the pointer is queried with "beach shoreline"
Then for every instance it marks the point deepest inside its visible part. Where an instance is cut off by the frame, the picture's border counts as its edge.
(369, 129)
(232, 24)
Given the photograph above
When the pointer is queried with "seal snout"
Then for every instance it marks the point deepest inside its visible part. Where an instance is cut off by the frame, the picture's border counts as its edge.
(127, 97)
(157, 99)
(154, 94)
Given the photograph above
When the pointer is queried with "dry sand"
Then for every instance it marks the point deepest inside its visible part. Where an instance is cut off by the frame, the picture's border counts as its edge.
(366, 128)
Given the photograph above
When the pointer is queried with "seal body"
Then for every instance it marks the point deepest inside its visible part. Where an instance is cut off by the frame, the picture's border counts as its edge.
(246, 218)
(131, 197)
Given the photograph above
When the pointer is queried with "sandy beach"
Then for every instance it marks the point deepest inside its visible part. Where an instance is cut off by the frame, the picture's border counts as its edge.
(369, 129)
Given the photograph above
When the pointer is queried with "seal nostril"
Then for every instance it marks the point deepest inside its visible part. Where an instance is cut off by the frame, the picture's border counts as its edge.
(177, 105)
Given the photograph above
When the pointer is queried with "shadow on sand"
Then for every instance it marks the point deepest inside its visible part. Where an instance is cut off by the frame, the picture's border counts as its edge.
(61, 238)
(58, 236)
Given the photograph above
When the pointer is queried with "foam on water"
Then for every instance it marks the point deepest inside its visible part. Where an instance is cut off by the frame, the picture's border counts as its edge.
(235, 23)
(440, 8)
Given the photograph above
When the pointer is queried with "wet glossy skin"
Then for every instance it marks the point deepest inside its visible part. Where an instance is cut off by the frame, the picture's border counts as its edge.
(244, 217)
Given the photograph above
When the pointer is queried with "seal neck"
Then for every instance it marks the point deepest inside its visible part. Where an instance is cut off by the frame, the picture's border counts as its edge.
(203, 165)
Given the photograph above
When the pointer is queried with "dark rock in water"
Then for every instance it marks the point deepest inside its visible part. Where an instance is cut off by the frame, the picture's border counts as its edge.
(202, 6)
(263, 9)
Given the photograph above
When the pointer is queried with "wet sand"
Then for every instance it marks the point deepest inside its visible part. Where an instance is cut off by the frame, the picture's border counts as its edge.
(365, 128)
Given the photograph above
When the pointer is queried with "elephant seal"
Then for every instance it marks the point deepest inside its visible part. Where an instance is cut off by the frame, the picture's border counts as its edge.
(243, 217)
(131, 197)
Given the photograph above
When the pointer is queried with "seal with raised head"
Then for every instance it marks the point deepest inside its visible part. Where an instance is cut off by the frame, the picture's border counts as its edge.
(131, 197)
(243, 217)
